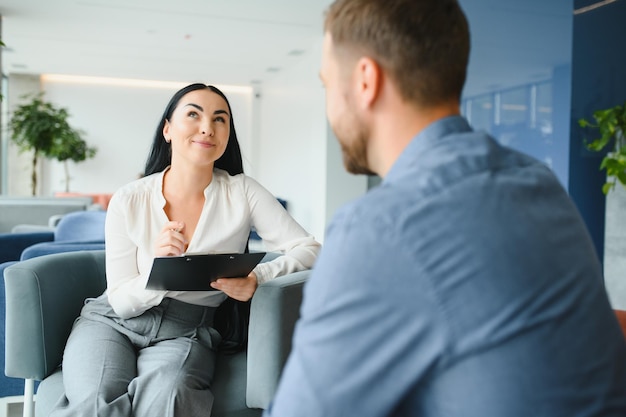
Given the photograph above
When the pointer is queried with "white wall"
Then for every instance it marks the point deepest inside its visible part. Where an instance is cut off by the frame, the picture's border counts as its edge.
(615, 247)
(120, 121)
(282, 129)
(291, 157)
(299, 158)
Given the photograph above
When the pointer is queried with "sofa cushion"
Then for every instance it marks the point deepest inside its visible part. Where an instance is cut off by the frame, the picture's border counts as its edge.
(81, 226)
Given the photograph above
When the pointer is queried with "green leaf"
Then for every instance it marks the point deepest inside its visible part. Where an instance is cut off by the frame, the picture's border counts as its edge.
(598, 144)
(611, 163)
(610, 126)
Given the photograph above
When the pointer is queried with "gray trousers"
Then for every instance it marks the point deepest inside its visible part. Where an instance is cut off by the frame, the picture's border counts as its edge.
(158, 364)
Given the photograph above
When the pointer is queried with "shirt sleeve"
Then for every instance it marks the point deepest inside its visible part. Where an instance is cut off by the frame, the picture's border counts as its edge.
(280, 233)
(356, 349)
(125, 283)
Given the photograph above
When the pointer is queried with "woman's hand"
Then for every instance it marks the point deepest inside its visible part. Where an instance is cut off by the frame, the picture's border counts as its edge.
(171, 242)
(241, 289)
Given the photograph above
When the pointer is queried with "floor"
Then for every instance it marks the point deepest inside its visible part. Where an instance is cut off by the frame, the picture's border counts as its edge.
(11, 406)
(15, 410)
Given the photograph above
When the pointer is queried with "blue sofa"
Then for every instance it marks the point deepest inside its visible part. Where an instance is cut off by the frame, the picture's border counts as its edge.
(73, 230)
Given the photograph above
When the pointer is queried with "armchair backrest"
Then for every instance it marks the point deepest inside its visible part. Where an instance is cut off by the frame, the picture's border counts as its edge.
(44, 296)
(274, 312)
(81, 226)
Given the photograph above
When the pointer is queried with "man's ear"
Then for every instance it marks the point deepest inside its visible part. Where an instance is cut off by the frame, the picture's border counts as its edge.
(368, 81)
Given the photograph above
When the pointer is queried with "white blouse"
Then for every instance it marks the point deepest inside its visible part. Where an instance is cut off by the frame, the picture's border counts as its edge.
(233, 204)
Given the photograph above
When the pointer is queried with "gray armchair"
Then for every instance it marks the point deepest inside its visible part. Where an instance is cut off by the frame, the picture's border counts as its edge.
(44, 296)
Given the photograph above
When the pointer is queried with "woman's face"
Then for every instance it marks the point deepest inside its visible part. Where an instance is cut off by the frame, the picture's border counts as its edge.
(198, 128)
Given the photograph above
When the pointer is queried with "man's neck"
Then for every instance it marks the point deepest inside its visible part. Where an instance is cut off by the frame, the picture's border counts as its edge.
(395, 127)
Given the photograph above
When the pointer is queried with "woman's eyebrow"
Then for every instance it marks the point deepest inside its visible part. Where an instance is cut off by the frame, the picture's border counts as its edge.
(202, 110)
(195, 105)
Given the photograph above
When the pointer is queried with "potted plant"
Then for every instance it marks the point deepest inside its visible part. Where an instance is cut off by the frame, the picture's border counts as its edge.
(42, 128)
(71, 147)
(611, 125)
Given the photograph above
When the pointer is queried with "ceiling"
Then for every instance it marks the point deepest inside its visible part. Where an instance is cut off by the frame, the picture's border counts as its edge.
(227, 42)
(248, 42)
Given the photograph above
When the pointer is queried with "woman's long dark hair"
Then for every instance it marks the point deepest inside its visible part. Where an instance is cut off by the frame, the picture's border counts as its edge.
(231, 317)
(160, 156)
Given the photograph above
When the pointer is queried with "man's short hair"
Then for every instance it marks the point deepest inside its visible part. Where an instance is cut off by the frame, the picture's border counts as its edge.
(423, 45)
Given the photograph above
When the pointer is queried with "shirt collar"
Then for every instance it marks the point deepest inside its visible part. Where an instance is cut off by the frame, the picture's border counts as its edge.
(424, 140)
(159, 185)
(161, 177)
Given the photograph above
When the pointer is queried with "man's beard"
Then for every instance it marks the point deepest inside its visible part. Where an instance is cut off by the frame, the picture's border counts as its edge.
(355, 154)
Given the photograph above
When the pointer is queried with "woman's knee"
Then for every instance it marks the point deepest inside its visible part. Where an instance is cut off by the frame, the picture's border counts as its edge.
(97, 360)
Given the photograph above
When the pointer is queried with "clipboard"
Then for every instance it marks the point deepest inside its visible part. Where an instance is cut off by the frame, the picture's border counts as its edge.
(196, 272)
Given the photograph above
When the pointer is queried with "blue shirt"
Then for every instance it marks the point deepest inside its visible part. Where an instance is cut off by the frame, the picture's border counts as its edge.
(464, 285)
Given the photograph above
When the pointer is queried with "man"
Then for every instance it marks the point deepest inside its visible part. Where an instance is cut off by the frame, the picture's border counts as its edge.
(466, 283)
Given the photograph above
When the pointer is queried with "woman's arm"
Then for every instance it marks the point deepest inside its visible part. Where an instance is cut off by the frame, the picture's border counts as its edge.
(280, 233)
(126, 280)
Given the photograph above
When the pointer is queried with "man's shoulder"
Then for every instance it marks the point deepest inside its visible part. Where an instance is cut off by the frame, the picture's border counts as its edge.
(379, 215)
(375, 204)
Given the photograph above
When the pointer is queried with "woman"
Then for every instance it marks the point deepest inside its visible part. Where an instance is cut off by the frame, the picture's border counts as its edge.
(138, 352)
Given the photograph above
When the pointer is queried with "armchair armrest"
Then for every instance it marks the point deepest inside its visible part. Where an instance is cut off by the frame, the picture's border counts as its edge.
(274, 311)
(12, 244)
(44, 296)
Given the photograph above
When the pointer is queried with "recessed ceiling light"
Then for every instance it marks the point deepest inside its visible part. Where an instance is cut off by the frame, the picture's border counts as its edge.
(273, 69)
(128, 82)
(296, 52)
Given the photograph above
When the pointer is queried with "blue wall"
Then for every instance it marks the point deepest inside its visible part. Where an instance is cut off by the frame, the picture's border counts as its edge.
(598, 81)
(519, 78)
(536, 68)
